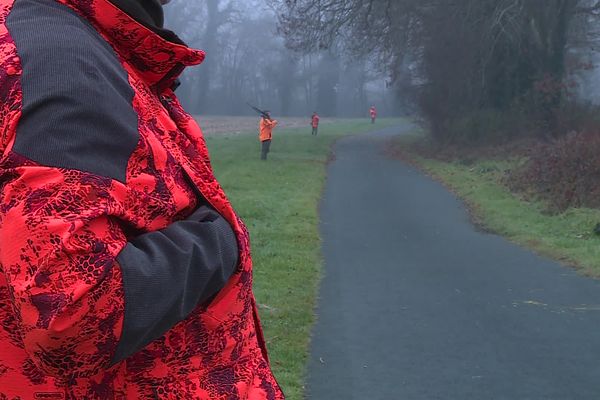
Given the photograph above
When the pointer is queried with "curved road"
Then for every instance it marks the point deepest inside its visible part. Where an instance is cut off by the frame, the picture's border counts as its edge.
(417, 304)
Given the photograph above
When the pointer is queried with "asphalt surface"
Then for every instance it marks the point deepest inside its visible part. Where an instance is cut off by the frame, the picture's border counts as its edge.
(417, 304)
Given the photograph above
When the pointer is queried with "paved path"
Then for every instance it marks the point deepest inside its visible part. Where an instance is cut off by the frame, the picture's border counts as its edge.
(417, 304)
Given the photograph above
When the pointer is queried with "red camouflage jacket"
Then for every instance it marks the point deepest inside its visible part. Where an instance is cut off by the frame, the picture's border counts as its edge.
(99, 164)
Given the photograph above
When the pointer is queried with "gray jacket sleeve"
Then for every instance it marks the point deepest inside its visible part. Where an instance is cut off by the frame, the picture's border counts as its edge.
(168, 273)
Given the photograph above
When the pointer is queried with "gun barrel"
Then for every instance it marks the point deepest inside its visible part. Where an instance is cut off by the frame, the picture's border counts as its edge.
(261, 112)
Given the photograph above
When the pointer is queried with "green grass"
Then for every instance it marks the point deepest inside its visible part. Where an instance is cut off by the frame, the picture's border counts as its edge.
(566, 237)
(278, 199)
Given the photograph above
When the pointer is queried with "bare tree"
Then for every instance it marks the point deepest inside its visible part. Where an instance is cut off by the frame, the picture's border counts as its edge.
(468, 58)
(248, 61)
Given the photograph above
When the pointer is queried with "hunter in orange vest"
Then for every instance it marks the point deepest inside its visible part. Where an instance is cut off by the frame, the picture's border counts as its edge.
(315, 123)
(373, 112)
(266, 133)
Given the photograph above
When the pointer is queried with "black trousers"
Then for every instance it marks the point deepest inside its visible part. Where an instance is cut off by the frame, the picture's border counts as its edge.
(315, 131)
(266, 147)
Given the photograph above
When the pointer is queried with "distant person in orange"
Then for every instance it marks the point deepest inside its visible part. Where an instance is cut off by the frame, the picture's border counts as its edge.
(373, 112)
(266, 133)
(315, 123)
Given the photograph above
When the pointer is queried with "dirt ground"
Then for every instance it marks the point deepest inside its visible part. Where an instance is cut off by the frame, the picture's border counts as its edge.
(215, 125)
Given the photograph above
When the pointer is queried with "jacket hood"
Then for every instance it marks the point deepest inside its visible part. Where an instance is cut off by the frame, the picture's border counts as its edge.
(158, 61)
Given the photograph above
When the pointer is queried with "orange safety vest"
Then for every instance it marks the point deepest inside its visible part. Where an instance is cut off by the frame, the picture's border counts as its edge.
(266, 129)
(315, 121)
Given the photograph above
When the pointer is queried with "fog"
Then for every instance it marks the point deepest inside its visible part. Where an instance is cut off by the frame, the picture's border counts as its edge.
(248, 62)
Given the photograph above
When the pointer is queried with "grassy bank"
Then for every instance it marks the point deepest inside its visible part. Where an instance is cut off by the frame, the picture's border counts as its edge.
(278, 199)
(567, 237)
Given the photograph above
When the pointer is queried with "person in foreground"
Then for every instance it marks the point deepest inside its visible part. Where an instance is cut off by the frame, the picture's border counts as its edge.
(267, 124)
(124, 271)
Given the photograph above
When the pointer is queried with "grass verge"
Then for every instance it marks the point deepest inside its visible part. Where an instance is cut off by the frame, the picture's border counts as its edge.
(567, 237)
(278, 199)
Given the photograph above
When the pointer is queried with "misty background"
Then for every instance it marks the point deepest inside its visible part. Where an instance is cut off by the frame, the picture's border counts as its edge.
(515, 67)
(247, 61)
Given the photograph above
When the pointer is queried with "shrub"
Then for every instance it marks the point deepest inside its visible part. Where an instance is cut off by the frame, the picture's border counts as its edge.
(564, 172)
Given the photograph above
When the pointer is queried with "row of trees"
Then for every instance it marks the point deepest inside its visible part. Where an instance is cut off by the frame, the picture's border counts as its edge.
(248, 61)
(468, 64)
